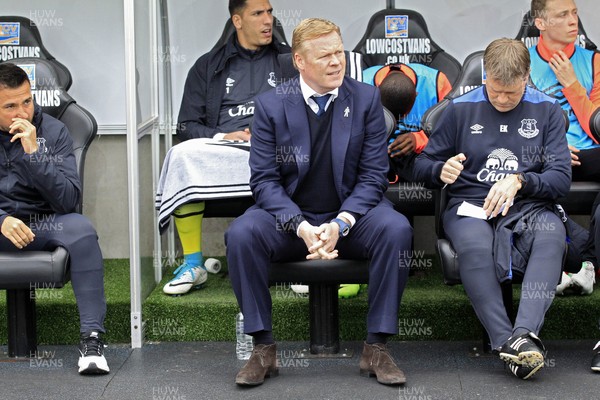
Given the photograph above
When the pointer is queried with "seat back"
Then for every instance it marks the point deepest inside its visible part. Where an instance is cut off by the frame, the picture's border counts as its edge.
(229, 29)
(20, 38)
(530, 34)
(56, 102)
(391, 123)
(472, 75)
(397, 35)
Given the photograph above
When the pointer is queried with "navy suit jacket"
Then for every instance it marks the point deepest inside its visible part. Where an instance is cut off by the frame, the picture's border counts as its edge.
(280, 151)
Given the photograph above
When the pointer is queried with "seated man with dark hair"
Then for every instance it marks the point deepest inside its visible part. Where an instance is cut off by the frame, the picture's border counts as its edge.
(39, 182)
(408, 91)
(398, 93)
(216, 109)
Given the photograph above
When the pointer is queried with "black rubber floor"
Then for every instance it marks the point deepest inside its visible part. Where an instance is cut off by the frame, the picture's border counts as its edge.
(206, 370)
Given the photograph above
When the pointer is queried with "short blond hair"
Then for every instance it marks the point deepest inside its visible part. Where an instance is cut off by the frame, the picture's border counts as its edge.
(506, 60)
(309, 29)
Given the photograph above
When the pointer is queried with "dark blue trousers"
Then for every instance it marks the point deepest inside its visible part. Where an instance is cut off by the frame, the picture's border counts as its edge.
(382, 236)
(472, 239)
(77, 234)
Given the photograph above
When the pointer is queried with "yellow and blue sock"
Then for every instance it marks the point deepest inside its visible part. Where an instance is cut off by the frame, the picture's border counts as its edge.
(188, 221)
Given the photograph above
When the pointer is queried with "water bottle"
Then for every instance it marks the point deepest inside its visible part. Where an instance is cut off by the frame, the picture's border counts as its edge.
(212, 265)
(243, 346)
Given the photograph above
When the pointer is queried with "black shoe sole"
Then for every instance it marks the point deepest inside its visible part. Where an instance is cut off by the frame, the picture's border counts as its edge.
(369, 374)
(271, 374)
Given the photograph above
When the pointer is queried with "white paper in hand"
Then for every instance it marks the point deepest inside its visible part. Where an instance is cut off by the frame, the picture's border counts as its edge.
(467, 209)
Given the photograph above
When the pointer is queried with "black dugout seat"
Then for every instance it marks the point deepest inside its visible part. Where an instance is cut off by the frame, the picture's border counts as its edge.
(20, 38)
(471, 76)
(397, 35)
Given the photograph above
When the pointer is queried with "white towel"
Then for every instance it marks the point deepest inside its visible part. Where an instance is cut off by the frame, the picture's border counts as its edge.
(202, 169)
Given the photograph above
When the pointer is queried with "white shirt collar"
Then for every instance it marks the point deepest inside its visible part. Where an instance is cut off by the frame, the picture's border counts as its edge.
(307, 92)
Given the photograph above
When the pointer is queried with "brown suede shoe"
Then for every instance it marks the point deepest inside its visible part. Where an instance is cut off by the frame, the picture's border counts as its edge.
(262, 364)
(377, 361)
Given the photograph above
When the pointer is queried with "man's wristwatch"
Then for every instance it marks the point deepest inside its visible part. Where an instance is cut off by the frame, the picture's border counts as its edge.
(344, 227)
(522, 179)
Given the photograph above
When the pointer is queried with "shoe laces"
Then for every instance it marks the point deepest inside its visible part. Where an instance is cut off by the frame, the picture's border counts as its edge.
(183, 269)
(380, 354)
(93, 345)
(261, 351)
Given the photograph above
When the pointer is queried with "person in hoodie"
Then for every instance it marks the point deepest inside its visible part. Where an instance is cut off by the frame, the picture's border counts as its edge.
(40, 190)
(502, 148)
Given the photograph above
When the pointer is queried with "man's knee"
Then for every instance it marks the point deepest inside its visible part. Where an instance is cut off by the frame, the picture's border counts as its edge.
(396, 224)
(245, 227)
(67, 225)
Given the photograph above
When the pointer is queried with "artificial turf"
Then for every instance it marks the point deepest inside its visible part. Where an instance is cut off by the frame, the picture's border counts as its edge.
(429, 311)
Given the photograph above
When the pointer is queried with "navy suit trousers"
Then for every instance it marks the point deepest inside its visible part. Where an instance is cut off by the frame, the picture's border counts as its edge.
(382, 235)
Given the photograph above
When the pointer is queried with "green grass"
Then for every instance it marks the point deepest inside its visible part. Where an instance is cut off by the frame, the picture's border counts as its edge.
(429, 311)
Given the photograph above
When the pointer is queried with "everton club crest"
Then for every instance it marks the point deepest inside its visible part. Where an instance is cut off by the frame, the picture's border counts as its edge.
(528, 128)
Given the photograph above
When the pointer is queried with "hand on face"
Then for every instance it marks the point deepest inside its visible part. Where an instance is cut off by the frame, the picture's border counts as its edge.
(23, 130)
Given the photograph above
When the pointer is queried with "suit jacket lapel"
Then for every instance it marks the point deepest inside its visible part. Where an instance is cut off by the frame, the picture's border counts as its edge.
(298, 125)
(341, 126)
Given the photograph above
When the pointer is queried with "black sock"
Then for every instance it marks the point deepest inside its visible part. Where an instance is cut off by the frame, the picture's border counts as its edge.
(377, 338)
(263, 337)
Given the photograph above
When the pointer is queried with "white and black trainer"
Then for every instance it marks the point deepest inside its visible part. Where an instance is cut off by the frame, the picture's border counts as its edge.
(186, 278)
(91, 355)
(525, 350)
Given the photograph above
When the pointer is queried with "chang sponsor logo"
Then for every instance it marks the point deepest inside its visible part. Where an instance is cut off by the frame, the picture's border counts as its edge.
(242, 110)
(499, 164)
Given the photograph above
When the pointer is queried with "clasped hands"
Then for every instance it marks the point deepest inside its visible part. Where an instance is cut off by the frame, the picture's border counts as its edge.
(501, 195)
(320, 240)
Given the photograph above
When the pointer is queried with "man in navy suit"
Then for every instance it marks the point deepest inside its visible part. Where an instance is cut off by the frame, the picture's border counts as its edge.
(318, 174)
